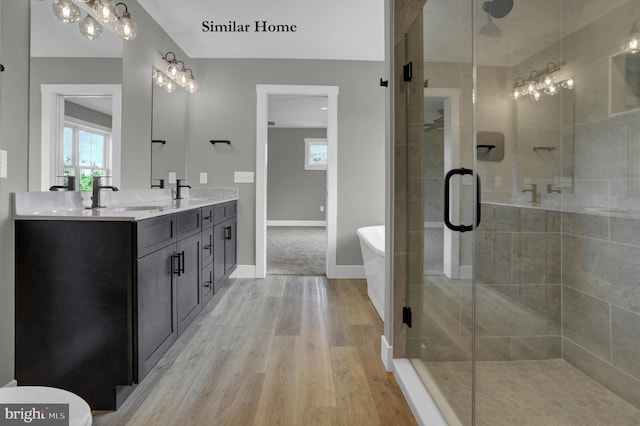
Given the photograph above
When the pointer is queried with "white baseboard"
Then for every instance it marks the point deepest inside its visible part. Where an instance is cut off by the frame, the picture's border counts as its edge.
(386, 353)
(297, 223)
(11, 384)
(244, 271)
(424, 409)
(466, 272)
(350, 271)
(342, 272)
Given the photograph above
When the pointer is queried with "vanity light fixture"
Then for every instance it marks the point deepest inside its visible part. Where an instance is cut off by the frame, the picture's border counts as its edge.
(161, 80)
(540, 83)
(179, 73)
(125, 27)
(66, 11)
(631, 43)
(104, 11)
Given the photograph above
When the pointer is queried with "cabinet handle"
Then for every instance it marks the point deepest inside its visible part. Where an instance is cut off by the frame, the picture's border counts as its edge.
(207, 247)
(181, 262)
(209, 284)
(208, 218)
(227, 235)
(174, 270)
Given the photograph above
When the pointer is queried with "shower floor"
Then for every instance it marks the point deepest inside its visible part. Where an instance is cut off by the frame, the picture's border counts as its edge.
(531, 393)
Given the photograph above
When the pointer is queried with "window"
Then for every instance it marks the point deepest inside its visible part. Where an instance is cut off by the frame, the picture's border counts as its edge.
(85, 152)
(315, 154)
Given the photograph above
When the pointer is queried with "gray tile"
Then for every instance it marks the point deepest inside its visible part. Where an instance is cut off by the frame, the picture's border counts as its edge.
(602, 372)
(536, 258)
(604, 269)
(625, 329)
(535, 348)
(586, 321)
(493, 348)
(494, 258)
(440, 349)
(625, 230)
(537, 220)
(441, 312)
(586, 225)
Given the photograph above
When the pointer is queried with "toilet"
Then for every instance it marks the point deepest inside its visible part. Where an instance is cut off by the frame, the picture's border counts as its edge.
(79, 411)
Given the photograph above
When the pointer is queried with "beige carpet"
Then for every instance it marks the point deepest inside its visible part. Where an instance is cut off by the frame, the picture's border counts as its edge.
(295, 250)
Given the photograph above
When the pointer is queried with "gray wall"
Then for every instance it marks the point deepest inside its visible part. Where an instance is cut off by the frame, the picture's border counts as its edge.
(87, 114)
(14, 87)
(294, 193)
(225, 108)
(170, 112)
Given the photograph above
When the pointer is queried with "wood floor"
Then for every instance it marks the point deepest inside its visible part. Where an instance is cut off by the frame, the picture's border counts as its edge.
(285, 350)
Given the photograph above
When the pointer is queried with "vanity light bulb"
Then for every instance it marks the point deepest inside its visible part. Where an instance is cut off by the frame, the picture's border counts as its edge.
(537, 96)
(105, 11)
(82, 1)
(192, 85)
(126, 28)
(182, 77)
(552, 89)
(66, 11)
(531, 88)
(632, 43)
(170, 87)
(160, 79)
(569, 83)
(90, 28)
(516, 94)
(172, 68)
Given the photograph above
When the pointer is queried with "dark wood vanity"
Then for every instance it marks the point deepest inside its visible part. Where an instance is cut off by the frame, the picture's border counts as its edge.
(99, 302)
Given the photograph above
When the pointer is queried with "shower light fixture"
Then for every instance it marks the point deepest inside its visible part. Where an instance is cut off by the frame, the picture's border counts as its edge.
(540, 83)
(97, 11)
(631, 44)
(179, 73)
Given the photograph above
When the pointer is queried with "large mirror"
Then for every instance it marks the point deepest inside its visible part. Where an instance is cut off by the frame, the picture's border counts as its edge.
(168, 134)
(75, 102)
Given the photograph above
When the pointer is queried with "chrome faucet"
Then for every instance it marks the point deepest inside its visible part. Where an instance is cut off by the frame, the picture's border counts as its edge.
(95, 193)
(178, 186)
(551, 189)
(70, 186)
(534, 193)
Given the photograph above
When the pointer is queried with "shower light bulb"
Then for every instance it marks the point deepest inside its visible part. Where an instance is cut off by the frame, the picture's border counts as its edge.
(90, 28)
(66, 11)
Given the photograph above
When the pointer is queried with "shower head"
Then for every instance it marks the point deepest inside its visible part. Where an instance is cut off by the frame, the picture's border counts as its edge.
(498, 8)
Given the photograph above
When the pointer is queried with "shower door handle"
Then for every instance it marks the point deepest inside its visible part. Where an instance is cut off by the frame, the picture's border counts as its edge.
(447, 183)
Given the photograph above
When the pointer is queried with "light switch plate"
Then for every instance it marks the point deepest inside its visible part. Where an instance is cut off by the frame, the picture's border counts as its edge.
(3, 164)
(172, 177)
(203, 177)
(243, 177)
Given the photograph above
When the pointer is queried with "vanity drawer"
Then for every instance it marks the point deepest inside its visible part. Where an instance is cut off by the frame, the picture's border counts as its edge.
(224, 211)
(207, 246)
(188, 222)
(155, 233)
(207, 217)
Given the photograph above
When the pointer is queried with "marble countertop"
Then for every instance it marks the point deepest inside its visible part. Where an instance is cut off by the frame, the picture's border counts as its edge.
(124, 205)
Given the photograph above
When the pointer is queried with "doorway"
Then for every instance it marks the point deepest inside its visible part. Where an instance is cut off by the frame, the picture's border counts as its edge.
(264, 92)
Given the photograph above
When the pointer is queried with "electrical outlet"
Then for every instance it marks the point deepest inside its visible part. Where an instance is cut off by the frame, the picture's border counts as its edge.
(243, 177)
(498, 182)
(172, 177)
(203, 177)
(321, 208)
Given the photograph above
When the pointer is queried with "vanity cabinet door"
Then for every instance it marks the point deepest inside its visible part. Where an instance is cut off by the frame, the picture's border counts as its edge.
(156, 303)
(230, 246)
(188, 280)
(218, 252)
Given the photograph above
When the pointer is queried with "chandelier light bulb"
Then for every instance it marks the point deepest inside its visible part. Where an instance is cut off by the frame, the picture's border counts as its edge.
(90, 28)
(105, 11)
(66, 11)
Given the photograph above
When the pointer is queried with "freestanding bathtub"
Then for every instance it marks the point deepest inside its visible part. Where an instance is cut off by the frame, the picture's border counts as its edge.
(372, 246)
